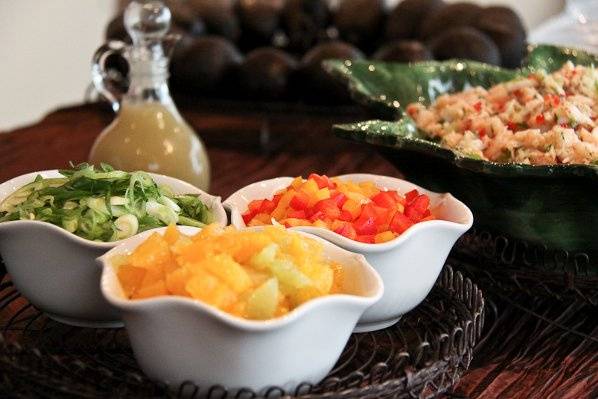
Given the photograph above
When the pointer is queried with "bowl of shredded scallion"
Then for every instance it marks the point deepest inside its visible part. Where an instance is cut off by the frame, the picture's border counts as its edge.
(53, 224)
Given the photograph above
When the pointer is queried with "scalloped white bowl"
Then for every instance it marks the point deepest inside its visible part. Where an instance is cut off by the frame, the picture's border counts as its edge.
(177, 339)
(56, 270)
(409, 265)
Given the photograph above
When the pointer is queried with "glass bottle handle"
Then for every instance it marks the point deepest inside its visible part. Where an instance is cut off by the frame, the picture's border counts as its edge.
(103, 82)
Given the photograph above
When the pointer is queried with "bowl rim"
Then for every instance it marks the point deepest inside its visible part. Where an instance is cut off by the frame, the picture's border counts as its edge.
(352, 244)
(230, 320)
(217, 208)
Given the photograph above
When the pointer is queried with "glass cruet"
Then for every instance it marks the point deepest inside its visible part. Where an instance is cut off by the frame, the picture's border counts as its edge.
(148, 132)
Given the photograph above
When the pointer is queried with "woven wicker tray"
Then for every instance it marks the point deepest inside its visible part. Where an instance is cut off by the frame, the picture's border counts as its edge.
(421, 356)
(519, 267)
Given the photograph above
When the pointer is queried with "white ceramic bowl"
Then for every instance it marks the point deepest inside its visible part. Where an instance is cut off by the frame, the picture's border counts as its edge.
(409, 265)
(56, 270)
(178, 339)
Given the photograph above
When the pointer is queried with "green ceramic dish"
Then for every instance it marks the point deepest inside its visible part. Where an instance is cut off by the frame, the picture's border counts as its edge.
(555, 205)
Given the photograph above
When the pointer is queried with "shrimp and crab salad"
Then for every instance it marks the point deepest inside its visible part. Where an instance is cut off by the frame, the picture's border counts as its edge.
(539, 119)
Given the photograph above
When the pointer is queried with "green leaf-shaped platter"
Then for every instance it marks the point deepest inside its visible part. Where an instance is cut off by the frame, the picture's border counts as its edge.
(555, 205)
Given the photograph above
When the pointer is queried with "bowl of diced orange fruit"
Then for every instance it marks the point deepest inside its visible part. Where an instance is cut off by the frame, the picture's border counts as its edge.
(247, 308)
(404, 231)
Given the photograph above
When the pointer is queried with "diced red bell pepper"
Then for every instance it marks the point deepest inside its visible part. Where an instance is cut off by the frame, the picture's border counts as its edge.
(397, 197)
(300, 201)
(247, 217)
(267, 206)
(411, 195)
(328, 207)
(345, 216)
(384, 199)
(339, 198)
(317, 215)
(379, 213)
(540, 120)
(255, 205)
(400, 223)
(552, 98)
(296, 214)
(416, 209)
(365, 225)
(253, 208)
(322, 181)
(347, 230)
(366, 238)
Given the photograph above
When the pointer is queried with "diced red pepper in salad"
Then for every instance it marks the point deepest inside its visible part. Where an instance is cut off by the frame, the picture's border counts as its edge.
(357, 210)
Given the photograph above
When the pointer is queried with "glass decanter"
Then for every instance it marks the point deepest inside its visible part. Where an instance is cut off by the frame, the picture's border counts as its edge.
(148, 132)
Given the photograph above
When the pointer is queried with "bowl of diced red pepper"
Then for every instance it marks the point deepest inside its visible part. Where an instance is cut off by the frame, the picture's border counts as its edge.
(359, 211)
(405, 231)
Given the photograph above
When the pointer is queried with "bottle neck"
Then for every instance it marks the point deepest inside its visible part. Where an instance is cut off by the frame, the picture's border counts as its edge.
(148, 72)
(148, 89)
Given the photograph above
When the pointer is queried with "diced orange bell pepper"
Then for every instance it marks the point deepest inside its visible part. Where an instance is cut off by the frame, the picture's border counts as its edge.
(310, 187)
(384, 236)
(322, 194)
(292, 222)
(320, 223)
(353, 207)
(297, 182)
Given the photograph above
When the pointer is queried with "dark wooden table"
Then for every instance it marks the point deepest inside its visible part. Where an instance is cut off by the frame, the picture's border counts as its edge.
(526, 355)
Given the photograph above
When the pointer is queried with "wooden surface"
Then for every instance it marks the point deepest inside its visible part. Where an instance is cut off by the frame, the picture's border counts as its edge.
(525, 355)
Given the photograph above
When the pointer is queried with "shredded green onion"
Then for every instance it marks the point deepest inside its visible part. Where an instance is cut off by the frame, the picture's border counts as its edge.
(103, 204)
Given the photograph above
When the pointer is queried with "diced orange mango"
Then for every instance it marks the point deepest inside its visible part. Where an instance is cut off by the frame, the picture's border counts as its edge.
(176, 281)
(154, 250)
(171, 235)
(230, 272)
(302, 295)
(130, 278)
(337, 281)
(209, 289)
(156, 288)
(216, 266)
